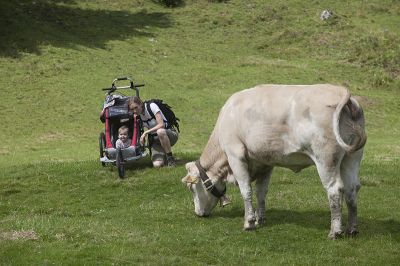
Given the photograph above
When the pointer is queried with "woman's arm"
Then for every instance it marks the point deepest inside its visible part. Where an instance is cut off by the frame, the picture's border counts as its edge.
(160, 124)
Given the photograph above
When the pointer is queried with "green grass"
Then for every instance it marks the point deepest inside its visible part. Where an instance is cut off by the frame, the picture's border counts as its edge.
(83, 214)
(55, 56)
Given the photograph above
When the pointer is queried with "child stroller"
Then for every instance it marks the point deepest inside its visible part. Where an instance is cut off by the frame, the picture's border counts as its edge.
(115, 114)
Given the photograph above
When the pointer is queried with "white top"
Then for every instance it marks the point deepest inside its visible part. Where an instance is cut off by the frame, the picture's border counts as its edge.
(123, 145)
(148, 121)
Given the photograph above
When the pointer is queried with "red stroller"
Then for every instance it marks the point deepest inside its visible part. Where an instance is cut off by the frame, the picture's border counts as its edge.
(115, 114)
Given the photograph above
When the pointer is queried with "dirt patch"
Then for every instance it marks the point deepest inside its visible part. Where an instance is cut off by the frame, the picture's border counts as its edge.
(364, 101)
(17, 235)
(50, 136)
(4, 151)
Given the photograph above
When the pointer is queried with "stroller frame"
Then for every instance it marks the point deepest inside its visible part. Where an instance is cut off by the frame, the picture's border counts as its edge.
(115, 113)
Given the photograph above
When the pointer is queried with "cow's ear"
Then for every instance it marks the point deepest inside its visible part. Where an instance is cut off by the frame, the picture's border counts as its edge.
(192, 169)
(190, 179)
(189, 166)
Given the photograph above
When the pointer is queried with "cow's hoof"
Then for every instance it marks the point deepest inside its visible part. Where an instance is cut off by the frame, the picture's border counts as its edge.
(335, 235)
(249, 228)
(351, 232)
(249, 225)
(260, 222)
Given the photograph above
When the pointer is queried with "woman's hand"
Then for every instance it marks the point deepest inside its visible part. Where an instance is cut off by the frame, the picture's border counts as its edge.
(143, 137)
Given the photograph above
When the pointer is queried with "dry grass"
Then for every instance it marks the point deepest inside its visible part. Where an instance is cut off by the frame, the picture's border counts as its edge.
(19, 235)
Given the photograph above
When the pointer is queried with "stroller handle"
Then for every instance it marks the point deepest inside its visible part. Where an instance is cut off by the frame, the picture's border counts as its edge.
(122, 78)
(132, 86)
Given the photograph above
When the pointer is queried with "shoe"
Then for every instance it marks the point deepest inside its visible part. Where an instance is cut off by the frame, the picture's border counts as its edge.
(171, 161)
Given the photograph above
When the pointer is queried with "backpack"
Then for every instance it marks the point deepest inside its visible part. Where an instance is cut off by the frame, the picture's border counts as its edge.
(172, 120)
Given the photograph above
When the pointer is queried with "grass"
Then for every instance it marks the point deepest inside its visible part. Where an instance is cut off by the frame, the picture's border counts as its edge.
(83, 214)
(59, 206)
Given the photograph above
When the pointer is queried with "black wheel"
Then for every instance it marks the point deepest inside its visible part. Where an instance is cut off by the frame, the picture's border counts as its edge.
(120, 164)
(102, 146)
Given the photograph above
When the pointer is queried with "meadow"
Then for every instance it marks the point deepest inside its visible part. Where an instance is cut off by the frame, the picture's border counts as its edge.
(58, 205)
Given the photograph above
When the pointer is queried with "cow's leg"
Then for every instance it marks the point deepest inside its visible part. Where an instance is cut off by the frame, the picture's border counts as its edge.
(239, 166)
(349, 170)
(261, 192)
(332, 182)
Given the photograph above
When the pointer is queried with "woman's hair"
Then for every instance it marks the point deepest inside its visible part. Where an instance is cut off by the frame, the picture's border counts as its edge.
(136, 100)
(123, 128)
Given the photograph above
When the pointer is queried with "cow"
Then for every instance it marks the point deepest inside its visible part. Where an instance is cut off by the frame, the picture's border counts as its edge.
(291, 126)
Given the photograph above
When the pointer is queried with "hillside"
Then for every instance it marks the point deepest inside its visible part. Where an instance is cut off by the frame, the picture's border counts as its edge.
(55, 61)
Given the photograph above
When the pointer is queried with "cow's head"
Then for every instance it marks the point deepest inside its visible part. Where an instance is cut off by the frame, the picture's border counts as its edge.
(204, 201)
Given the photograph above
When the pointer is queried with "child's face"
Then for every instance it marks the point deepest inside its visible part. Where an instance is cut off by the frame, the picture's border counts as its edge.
(123, 135)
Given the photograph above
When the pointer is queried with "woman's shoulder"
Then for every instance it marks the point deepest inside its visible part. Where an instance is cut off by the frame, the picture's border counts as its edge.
(154, 108)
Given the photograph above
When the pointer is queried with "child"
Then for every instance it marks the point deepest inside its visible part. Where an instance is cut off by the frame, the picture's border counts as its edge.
(123, 140)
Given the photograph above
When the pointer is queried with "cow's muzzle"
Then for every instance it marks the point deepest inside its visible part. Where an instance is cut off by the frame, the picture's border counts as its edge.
(202, 214)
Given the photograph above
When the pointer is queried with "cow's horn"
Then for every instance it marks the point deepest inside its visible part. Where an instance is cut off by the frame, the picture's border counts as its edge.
(190, 179)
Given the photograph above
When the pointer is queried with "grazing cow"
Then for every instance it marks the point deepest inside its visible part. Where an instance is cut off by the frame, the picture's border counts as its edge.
(292, 126)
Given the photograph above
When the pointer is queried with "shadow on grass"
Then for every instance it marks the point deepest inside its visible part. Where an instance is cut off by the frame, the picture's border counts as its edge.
(182, 159)
(141, 164)
(321, 220)
(146, 163)
(25, 25)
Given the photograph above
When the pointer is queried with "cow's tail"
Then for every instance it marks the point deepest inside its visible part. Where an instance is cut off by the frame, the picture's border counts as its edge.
(348, 124)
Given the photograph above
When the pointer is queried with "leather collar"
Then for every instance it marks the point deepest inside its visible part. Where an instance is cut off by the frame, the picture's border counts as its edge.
(208, 184)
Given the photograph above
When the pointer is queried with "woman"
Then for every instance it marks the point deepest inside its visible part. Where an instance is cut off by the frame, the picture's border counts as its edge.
(157, 127)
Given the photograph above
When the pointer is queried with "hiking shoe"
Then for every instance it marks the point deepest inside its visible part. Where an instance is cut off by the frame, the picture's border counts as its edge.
(171, 161)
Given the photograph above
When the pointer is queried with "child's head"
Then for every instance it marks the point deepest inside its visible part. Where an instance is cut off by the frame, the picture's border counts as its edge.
(123, 133)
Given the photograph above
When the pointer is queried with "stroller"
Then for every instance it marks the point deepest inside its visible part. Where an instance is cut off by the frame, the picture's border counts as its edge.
(115, 114)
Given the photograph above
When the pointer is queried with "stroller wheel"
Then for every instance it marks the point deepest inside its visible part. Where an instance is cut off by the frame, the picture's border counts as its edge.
(120, 164)
(102, 146)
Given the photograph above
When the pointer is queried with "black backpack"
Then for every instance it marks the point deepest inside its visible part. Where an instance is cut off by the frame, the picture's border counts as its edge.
(172, 120)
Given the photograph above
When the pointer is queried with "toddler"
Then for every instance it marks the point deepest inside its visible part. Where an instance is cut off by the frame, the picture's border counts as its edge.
(123, 140)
